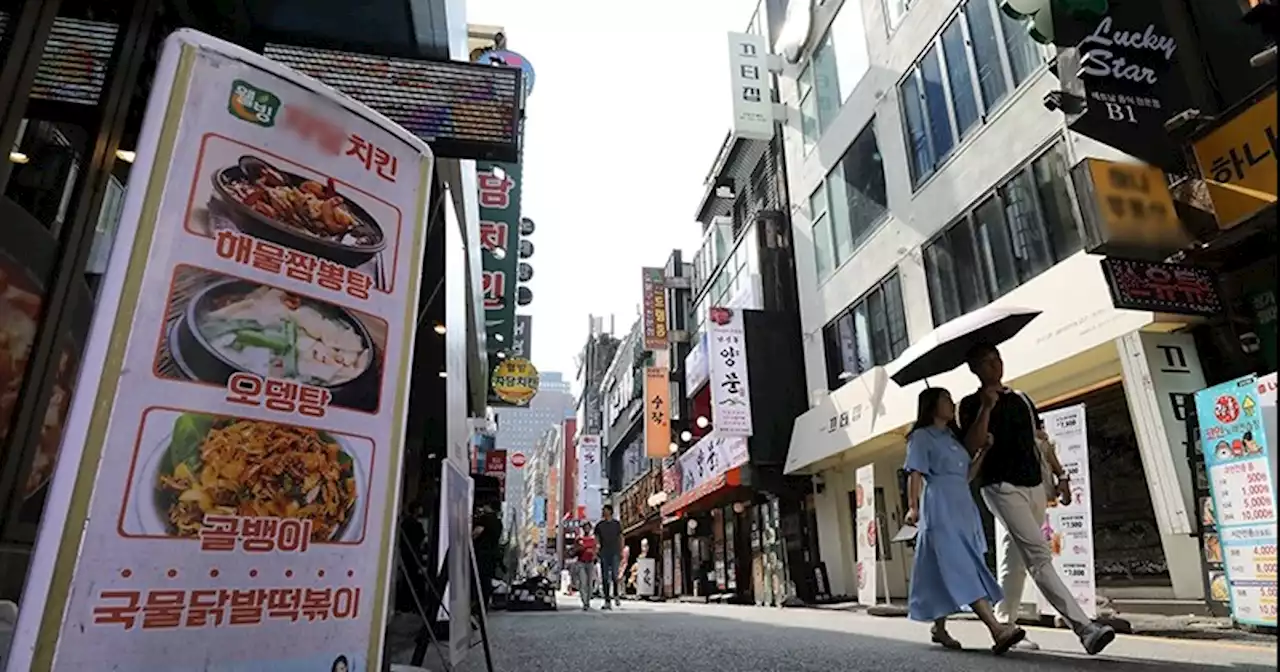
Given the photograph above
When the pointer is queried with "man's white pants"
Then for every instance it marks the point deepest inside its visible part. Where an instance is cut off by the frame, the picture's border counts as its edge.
(1023, 549)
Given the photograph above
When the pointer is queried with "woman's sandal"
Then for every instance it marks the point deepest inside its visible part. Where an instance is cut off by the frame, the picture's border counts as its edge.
(1010, 639)
(946, 640)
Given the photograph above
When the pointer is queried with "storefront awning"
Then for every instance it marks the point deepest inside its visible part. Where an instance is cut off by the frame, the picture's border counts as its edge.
(729, 479)
(871, 409)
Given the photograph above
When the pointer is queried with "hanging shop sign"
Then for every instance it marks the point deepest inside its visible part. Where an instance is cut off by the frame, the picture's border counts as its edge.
(655, 309)
(867, 534)
(495, 465)
(231, 327)
(518, 460)
(1069, 527)
(752, 87)
(1162, 288)
(590, 495)
(657, 411)
(522, 337)
(500, 186)
(482, 443)
(1126, 64)
(730, 391)
(1236, 446)
(1128, 210)
(710, 457)
(696, 370)
(515, 381)
(465, 110)
(1238, 159)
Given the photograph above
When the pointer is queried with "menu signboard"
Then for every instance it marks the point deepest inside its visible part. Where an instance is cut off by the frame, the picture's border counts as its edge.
(1069, 527)
(229, 472)
(1234, 439)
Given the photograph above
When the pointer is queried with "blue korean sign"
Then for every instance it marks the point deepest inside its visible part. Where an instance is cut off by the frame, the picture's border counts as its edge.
(1236, 453)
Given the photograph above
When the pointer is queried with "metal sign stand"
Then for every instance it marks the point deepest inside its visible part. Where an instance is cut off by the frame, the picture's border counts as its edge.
(436, 586)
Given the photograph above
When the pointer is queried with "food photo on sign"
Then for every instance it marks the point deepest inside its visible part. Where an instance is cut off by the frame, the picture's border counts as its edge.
(192, 470)
(265, 211)
(270, 347)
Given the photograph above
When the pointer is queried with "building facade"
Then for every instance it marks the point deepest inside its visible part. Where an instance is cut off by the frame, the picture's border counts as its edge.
(930, 179)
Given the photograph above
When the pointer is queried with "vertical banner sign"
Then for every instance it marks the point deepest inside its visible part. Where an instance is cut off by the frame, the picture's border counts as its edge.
(655, 309)
(522, 338)
(230, 486)
(751, 86)
(499, 186)
(730, 393)
(865, 522)
(657, 412)
(495, 465)
(590, 477)
(1069, 528)
(1236, 454)
(646, 577)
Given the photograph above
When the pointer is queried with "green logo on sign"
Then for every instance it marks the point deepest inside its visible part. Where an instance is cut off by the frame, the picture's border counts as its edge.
(254, 105)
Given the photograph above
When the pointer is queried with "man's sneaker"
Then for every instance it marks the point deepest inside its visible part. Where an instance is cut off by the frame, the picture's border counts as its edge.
(1096, 638)
(1027, 645)
(617, 601)
(607, 607)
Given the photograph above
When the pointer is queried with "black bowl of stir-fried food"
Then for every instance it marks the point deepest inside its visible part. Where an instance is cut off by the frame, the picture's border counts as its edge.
(250, 468)
(296, 211)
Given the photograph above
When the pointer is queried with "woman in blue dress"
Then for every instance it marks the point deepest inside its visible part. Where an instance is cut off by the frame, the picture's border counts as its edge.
(950, 569)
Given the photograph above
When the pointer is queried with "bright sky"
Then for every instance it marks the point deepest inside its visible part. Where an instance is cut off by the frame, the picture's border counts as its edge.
(629, 108)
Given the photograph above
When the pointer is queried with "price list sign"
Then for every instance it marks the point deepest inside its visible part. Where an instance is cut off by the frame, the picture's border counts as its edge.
(1235, 447)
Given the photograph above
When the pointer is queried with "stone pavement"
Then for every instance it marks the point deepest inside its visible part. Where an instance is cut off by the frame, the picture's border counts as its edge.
(644, 637)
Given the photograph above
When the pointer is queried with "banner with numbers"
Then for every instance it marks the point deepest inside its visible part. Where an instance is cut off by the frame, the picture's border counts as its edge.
(232, 459)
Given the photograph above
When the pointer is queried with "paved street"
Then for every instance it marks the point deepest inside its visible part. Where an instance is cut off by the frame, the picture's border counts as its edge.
(707, 638)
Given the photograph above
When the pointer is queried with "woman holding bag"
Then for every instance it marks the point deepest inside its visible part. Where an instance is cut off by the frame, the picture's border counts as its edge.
(949, 571)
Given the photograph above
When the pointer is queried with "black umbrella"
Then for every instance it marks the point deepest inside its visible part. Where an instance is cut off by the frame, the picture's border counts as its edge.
(945, 347)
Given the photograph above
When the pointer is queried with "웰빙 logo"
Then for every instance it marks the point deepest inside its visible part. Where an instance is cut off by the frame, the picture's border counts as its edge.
(254, 105)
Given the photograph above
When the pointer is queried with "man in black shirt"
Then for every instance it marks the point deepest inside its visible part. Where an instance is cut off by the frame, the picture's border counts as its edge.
(999, 427)
(609, 537)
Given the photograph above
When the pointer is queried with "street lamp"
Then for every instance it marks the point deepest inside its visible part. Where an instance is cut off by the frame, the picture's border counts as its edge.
(686, 435)
(702, 422)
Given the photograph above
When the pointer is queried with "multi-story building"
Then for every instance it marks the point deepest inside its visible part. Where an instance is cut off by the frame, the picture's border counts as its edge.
(929, 180)
(596, 354)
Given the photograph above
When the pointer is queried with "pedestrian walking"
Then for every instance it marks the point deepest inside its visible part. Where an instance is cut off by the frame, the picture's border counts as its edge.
(584, 551)
(949, 569)
(609, 537)
(1014, 478)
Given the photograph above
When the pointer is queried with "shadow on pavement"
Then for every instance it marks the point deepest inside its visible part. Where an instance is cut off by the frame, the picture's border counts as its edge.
(642, 639)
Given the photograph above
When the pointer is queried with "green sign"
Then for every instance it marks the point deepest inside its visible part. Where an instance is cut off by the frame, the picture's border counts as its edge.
(254, 105)
(499, 186)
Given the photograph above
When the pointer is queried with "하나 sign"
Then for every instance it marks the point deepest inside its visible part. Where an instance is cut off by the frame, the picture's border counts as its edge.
(515, 381)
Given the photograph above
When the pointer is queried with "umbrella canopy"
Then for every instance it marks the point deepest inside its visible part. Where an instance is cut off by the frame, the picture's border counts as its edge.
(945, 347)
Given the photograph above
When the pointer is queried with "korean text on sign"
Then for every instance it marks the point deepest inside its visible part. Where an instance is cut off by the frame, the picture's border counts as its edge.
(156, 609)
(373, 157)
(300, 266)
(221, 534)
(283, 396)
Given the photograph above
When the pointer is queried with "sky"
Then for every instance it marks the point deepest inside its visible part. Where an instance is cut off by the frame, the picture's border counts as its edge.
(630, 105)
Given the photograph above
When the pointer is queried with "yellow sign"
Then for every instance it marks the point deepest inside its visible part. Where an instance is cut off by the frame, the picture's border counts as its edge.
(515, 381)
(1238, 160)
(657, 412)
(1133, 206)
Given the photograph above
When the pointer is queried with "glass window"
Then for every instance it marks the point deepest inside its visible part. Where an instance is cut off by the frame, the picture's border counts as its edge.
(808, 113)
(918, 152)
(895, 10)
(992, 235)
(986, 52)
(963, 96)
(858, 195)
(1053, 183)
(862, 327)
(879, 326)
(826, 83)
(896, 312)
(940, 273)
(935, 103)
(849, 36)
(822, 240)
(970, 285)
(1031, 251)
(1024, 54)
